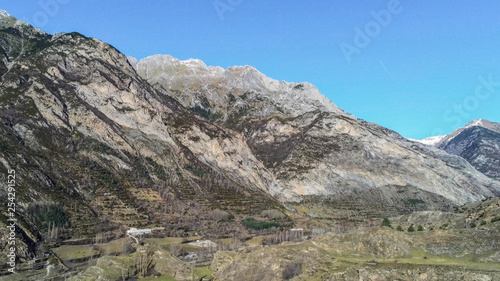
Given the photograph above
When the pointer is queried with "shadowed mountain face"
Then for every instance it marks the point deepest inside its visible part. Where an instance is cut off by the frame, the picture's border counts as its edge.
(104, 141)
(479, 143)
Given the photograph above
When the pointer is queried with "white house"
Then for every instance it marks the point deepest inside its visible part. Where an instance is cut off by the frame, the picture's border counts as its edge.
(137, 234)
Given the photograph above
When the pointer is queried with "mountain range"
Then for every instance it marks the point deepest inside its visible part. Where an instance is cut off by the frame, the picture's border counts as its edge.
(101, 142)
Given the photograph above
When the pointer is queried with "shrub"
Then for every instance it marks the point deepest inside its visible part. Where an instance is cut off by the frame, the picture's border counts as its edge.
(251, 223)
(411, 228)
(219, 215)
(420, 228)
(399, 228)
(145, 262)
(175, 249)
(386, 222)
(495, 219)
(483, 222)
(414, 202)
(292, 270)
(127, 249)
(272, 214)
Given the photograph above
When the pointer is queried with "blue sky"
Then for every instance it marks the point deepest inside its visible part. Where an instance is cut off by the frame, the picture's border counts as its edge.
(420, 68)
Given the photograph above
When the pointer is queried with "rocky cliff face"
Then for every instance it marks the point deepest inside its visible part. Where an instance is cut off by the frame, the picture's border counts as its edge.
(478, 142)
(99, 141)
(92, 140)
(310, 145)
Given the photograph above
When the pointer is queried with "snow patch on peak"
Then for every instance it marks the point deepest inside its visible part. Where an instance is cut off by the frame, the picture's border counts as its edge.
(477, 122)
(4, 14)
(432, 141)
(438, 140)
(493, 126)
(194, 63)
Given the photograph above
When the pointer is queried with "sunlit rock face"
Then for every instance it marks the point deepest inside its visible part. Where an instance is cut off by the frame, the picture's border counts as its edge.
(310, 146)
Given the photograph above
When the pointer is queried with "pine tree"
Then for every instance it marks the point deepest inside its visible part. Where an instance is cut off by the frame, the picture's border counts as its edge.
(386, 222)
(411, 228)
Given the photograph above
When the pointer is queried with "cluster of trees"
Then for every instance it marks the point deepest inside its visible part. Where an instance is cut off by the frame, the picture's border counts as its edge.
(51, 217)
(142, 267)
(283, 236)
(251, 223)
(48, 213)
(411, 228)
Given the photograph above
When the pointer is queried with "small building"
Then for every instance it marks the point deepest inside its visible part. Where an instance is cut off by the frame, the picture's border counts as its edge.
(138, 234)
(204, 244)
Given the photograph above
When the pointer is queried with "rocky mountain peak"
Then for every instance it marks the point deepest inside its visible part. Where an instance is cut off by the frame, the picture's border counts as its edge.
(238, 91)
(4, 14)
(494, 126)
(6, 20)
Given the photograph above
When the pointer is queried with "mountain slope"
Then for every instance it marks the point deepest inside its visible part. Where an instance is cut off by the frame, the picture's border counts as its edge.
(478, 142)
(91, 139)
(312, 146)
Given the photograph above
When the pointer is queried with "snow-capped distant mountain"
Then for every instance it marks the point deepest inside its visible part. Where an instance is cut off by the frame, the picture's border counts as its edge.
(478, 142)
(432, 140)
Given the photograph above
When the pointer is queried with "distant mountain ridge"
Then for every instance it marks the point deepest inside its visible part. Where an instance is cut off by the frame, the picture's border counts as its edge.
(221, 90)
(478, 142)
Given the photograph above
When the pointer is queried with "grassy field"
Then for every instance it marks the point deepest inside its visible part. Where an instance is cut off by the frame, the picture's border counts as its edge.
(74, 252)
(170, 240)
(163, 241)
(255, 241)
(203, 271)
(420, 257)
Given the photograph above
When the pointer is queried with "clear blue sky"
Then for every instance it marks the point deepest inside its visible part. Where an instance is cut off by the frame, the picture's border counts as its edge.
(417, 75)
